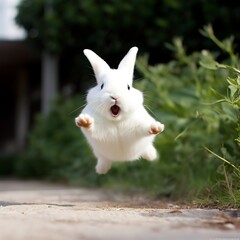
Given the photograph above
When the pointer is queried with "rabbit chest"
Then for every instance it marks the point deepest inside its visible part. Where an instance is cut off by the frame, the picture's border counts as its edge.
(117, 141)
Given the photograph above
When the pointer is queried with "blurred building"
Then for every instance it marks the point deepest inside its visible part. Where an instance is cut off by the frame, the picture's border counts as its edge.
(19, 81)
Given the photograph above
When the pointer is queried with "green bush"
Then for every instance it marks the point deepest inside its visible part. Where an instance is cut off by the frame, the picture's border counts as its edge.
(56, 148)
(112, 26)
(200, 108)
(188, 98)
(7, 164)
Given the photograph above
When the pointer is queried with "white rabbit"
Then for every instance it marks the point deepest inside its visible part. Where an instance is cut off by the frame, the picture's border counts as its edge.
(114, 121)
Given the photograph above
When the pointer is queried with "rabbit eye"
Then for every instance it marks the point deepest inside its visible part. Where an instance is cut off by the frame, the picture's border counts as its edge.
(102, 86)
(128, 87)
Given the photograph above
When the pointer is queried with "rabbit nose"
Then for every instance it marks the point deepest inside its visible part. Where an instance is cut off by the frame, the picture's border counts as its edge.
(114, 98)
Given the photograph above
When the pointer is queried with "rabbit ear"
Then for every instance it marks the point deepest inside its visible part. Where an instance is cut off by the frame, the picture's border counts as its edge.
(98, 64)
(128, 62)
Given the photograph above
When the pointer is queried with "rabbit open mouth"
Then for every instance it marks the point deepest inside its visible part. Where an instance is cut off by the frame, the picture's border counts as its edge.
(115, 109)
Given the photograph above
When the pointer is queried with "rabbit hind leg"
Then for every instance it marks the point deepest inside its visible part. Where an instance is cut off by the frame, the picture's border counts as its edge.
(103, 166)
(150, 153)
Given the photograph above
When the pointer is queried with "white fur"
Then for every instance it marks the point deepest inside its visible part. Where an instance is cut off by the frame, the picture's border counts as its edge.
(128, 135)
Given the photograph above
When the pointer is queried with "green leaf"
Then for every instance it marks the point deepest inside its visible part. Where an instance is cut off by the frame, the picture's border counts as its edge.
(223, 159)
(217, 94)
(208, 65)
(231, 81)
(224, 66)
(233, 90)
(238, 80)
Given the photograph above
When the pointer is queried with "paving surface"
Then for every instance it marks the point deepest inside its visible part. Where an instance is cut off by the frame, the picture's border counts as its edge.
(34, 211)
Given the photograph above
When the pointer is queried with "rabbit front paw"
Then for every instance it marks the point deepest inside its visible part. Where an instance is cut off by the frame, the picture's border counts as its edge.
(156, 128)
(84, 120)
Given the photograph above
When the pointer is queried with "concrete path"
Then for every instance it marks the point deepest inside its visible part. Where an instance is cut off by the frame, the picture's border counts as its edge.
(41, 211)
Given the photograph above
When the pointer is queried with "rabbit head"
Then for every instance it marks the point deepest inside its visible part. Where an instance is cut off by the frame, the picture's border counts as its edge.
(114, 97)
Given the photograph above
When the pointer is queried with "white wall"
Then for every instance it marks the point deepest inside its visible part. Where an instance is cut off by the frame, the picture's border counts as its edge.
(8, 27)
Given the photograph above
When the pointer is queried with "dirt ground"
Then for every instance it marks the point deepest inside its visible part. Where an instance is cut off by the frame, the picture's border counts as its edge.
(36, 210)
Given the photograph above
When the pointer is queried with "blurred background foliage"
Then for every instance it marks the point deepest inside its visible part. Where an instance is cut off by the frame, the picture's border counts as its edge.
(193, 90)
(197, 99)
(111, 26)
